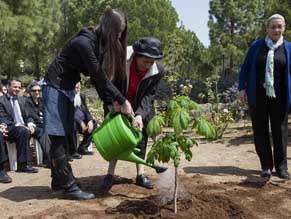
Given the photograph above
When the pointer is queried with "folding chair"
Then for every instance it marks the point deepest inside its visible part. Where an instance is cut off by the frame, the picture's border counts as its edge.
(12, 155)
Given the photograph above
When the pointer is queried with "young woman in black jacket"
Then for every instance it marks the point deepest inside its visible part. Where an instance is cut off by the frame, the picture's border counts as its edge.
(96, 52)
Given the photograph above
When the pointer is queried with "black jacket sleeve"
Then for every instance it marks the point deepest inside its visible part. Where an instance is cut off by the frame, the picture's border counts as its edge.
(96, 72)
(145, 105)
(6, 116)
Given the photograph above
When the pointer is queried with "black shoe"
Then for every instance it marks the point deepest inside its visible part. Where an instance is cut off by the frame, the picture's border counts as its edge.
(266, 173)
(284, 174)
(4, 178)
(107, 183)
(85, 151)
(24, 168)
(144, 181)
(76, 155)
(56, 187)
(75, 193)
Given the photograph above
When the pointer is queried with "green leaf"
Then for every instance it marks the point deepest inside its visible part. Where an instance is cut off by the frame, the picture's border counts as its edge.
(189, 143)
(180, 120)
(194, 106)
(155, 125)
(188, 156)
(151, 157)
(183, 101)
(184, 119)
(172, 105)
(205, 128)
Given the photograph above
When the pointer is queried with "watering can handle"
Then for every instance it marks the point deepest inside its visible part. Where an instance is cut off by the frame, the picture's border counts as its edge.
(130, 118)
(138, 132)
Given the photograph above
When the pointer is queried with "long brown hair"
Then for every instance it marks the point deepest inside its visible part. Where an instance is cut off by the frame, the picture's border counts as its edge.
(115, 48)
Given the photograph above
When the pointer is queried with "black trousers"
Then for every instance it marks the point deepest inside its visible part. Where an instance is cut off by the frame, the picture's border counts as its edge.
(273, 110)
(3, 154)
(142, 145)
(20, 135)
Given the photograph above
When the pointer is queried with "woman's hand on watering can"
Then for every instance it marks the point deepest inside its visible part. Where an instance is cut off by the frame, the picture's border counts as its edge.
(137, 122)
(126, 109)
(83, 127)
(90, 126)
(116, 107)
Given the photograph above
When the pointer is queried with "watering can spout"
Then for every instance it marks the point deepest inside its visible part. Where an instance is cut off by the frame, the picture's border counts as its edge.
(131, 157)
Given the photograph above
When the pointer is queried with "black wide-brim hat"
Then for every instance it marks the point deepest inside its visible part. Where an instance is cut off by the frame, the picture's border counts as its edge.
(149, 47)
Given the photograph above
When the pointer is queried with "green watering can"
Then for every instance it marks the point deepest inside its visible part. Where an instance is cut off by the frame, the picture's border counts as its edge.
(117, 139)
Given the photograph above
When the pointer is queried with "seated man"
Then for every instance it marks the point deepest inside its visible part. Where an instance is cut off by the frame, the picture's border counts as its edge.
(4, 178)
(19, 125)
(84, 123)
(33, 107)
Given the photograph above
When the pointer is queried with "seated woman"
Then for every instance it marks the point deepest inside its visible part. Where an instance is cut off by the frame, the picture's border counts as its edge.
(34, 110)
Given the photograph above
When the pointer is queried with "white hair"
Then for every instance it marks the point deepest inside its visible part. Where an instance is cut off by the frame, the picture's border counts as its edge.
(77, 100)
(275, 16)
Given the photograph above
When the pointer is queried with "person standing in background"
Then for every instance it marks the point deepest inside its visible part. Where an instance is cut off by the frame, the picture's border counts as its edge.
(265, 82)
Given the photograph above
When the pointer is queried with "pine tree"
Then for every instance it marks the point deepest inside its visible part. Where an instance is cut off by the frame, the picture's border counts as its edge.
(233, 24)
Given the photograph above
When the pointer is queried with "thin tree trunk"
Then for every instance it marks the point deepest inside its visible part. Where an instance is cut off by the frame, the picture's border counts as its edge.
(176, 190)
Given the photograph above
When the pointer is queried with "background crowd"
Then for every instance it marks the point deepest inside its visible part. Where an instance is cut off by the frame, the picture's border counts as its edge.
(21, 122)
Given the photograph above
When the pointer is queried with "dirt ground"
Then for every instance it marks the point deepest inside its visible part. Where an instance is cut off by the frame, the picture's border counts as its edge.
(221, 181)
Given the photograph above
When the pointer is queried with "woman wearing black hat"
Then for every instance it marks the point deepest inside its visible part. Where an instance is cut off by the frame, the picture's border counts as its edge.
(143, 74)
(100, 53)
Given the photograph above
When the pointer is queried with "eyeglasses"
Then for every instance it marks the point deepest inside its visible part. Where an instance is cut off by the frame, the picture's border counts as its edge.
(274, 27)
(36, 90)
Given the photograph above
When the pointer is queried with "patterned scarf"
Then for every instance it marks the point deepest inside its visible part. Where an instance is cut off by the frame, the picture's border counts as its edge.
(269, 75)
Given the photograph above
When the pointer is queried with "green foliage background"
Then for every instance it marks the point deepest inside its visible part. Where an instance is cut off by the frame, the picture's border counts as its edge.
(33, 31)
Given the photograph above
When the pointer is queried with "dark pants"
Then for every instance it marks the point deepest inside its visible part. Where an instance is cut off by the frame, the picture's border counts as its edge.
(142, 145)
(58, 124)
(71, 144)
(20, 135)
(275, 110)
(3, 154)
